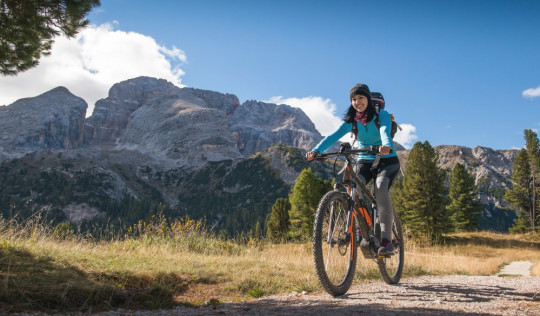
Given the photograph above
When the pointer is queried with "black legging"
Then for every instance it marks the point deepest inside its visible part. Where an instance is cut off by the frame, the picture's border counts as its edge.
(386, 172)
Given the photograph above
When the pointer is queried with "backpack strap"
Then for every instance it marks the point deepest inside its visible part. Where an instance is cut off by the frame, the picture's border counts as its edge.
(354, 130)
(394, 126)
(377, 123)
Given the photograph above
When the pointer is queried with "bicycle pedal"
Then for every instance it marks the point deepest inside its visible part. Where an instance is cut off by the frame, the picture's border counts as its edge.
(385, 255)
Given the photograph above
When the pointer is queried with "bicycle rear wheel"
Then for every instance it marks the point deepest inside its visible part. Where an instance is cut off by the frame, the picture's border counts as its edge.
(334, 248)
(391, 268)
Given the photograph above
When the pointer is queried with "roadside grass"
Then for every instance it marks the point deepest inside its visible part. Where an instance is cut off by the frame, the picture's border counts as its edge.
(478, 253)
(160, 265)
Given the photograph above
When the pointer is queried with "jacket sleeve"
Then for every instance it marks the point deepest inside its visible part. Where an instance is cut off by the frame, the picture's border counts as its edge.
(331, 139)
(386, 128)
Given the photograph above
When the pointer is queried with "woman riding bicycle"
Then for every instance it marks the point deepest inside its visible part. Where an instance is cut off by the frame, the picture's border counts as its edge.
(363, 114)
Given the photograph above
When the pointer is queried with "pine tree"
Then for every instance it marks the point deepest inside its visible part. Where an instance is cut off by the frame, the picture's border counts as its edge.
(522, 223)
(533, 151)
(304, 198)
(520, 196)
(28, 28)
(464, 209)
(421, 198)
(526, 185)
(277, 226)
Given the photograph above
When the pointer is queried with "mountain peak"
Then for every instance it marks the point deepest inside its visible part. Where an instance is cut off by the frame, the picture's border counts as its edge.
(52, 120)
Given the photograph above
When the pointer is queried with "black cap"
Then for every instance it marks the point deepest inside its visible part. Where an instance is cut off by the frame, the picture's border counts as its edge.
(362, 89)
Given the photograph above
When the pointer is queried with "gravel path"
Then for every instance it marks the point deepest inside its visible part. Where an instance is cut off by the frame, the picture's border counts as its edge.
(512, 293)
(522, 268)
(427, 295)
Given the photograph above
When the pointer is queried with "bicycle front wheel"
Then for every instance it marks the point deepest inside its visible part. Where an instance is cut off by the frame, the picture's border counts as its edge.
(334, 247)
(391, 268)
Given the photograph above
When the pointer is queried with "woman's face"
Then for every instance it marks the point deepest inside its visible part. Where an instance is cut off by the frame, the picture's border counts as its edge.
(359, 102)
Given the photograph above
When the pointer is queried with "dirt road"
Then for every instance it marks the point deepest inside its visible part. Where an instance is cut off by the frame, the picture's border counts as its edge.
(427, 295)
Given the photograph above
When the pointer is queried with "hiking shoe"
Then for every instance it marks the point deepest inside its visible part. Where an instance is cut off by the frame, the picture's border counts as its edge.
(386, 248)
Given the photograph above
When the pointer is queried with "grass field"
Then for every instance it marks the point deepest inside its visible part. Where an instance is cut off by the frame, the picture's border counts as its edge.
(160, 267)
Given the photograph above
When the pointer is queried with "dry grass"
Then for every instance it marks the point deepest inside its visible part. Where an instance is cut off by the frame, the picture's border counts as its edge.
(482, 253)
(150, 270)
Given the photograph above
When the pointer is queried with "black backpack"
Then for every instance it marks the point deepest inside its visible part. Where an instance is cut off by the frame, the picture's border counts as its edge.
(377, 100)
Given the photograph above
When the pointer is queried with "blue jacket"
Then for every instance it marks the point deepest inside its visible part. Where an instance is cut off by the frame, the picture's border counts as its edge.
(368, 135)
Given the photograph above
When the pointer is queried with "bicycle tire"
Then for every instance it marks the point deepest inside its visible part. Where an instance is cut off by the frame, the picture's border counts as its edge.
(391, 268)
(334, 250)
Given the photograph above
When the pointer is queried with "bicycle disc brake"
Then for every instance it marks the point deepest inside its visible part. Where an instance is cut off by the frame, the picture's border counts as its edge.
(343, 243)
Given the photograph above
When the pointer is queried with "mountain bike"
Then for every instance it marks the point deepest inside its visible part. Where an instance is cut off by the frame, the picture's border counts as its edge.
(347, 217)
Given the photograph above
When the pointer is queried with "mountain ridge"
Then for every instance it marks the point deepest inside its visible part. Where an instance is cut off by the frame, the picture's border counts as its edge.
(150, 141)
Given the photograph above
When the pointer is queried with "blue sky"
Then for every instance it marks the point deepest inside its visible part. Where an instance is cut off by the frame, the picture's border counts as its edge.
(452, 72)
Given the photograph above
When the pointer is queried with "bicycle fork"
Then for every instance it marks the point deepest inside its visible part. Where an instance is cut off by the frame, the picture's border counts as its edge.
(331, 225)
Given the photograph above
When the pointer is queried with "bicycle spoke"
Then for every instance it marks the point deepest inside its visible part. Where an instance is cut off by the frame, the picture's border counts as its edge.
(332, 230)
(333, 265)
(333, 256)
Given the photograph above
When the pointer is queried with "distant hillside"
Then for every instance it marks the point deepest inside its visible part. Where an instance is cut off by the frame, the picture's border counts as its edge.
(492, 170)
(149, 146)
(153, 147)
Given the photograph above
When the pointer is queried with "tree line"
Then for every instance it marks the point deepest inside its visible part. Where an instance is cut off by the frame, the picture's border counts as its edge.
(429, 200)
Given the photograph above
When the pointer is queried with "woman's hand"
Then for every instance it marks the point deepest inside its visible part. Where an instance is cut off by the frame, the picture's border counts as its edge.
(310, 155)
(385, 150)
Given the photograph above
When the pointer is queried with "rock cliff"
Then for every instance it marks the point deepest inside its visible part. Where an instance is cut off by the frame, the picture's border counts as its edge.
(191, 126)
(53, 120)
(109, 120)
(258, 125)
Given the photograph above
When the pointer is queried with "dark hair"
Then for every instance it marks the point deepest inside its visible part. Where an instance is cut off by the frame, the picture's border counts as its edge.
(351, 113)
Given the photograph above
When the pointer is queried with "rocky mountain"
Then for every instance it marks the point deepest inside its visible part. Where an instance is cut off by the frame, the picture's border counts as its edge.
(54, 120)
(192, 126)
(153, 146)
(187, 126)
(140, 140)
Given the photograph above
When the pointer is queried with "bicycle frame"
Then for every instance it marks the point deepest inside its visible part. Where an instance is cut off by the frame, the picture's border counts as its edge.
(359, 208)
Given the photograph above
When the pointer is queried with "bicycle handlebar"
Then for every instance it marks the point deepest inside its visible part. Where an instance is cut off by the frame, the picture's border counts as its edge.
(370, 150)
(346, 151)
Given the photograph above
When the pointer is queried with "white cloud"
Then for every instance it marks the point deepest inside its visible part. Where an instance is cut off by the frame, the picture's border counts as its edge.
(531, 93)
(320, 111)
(89, 64)
(407, 136)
